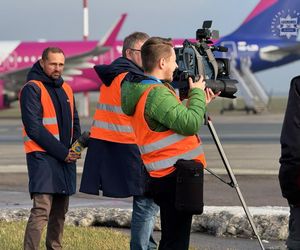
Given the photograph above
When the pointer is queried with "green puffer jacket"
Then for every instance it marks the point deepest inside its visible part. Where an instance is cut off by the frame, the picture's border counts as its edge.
(163, 111)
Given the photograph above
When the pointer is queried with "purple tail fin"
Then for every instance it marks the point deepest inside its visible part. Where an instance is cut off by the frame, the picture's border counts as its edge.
(272, 19)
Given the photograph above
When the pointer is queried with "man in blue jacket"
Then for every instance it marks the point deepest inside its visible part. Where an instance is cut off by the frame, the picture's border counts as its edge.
(51, 124)
(113, 163)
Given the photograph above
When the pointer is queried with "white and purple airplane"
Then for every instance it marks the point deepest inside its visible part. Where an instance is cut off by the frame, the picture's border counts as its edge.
(16, 59)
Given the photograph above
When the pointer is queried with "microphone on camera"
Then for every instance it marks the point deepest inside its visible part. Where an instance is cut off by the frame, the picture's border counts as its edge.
(218, 48)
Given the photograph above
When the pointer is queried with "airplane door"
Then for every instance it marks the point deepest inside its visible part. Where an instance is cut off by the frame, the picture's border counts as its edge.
(232, 49)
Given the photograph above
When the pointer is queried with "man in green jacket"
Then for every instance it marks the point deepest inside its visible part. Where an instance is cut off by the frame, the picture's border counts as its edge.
(165, 115)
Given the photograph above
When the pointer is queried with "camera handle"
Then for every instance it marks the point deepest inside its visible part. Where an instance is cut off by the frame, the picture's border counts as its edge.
(233, 183)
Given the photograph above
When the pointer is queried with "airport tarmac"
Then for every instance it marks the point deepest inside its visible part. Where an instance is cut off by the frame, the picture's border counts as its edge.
(251, 144)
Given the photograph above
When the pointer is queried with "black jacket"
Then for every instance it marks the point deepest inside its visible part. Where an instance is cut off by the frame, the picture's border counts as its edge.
(48, 173)
(114, 168)
(289, 173)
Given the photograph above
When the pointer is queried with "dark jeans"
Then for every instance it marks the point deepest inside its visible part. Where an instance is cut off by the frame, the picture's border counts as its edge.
(293, 241)
(47, 209)
(175, 225)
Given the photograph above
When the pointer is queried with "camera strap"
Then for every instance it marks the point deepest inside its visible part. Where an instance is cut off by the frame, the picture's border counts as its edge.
(212, 60)
(200, 66)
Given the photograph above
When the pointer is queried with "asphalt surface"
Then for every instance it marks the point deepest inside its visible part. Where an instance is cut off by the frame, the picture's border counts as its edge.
(251, 145)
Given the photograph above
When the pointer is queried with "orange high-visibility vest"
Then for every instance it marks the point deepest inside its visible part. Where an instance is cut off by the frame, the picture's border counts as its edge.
(161, 150)
(110, 123)
(49, 116)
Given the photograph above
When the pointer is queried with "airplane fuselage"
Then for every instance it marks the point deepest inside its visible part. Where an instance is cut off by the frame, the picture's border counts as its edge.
(16, 56)
(257, 52)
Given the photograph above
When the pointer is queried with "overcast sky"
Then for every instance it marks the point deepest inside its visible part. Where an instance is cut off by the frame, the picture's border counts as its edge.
(30, 20)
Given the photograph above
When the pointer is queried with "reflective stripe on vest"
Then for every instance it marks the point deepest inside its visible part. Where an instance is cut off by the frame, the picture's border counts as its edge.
(169, 140)
(111, 108)
(113, 127)
(49, 116)
(110, 123)
(49, 121)
(26, 138)
(161, 150)
(162, 164)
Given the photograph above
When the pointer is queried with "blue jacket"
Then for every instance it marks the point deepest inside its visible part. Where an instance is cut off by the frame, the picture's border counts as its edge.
(114, 168)
(47, 171)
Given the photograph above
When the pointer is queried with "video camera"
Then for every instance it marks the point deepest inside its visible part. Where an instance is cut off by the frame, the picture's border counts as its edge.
(197, 58)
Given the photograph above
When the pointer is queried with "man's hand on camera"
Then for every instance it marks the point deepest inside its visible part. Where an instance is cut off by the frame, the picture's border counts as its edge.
(72, 156)
(200, 84)
(210, 95)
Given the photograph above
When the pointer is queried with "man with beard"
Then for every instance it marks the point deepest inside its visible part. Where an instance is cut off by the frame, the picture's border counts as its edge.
(50, 125)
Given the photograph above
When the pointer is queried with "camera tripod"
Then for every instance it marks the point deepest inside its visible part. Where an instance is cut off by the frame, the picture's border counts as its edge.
(233, 183)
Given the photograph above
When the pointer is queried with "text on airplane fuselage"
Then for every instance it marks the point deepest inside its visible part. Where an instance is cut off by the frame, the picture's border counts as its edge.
(243, 46)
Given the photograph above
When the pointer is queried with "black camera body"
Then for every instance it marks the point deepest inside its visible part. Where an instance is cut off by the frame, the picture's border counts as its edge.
(197, 58)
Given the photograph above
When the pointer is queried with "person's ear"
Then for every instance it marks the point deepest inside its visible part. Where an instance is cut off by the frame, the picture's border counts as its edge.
(42, 63)
(162, 62)
(128, 54)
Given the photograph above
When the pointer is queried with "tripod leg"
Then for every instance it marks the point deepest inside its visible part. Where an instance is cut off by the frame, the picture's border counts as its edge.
(232, 178)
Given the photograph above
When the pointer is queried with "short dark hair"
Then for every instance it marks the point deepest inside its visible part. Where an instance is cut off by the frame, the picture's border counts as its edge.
(154, 49)
(52, 50)
(132, 39)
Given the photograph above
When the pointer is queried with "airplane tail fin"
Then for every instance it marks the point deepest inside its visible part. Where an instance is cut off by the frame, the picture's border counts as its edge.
(272, 19)
(111, 35)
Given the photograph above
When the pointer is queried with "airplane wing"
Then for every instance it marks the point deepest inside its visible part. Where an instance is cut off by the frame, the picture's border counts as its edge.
(74, 63)
(16, 80)
(274, 53)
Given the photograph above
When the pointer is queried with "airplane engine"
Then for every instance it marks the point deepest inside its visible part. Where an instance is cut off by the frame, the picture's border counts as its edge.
(6, 97)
